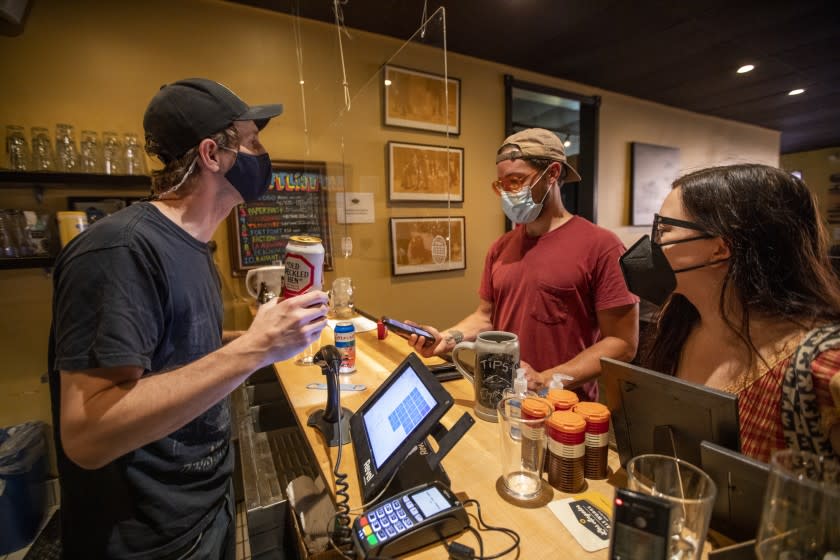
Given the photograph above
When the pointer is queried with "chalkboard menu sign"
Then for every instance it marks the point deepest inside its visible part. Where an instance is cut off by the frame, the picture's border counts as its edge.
(295, 204)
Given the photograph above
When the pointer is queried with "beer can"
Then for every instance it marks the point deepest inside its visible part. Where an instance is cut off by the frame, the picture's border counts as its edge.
(304, 265)
(345, 341)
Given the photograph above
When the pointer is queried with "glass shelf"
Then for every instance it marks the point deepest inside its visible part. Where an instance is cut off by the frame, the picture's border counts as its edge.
(27, 179)
(26, 262)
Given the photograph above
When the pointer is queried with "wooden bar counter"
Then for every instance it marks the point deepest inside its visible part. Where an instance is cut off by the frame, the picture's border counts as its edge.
(473, 464)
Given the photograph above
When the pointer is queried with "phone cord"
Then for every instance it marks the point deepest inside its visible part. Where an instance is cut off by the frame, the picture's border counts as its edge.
(342, 498)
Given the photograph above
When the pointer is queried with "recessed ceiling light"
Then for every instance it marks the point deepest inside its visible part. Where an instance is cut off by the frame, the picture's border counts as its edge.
(796, 91)
(746, 68)
(387, 82)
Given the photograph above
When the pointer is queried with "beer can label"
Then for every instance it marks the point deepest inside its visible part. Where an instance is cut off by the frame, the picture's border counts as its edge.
(345, 342)
(300, 275)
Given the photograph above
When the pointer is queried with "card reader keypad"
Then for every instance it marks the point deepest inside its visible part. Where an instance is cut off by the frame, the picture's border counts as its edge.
(388, 521)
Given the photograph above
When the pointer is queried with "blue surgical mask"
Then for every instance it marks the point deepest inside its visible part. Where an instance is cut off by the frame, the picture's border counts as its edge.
(250, 175)
(520, 207)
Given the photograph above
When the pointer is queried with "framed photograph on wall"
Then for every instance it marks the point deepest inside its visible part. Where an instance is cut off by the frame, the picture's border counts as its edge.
(653, 169)
(415, 99)
(97, 207)
(295, 204)
(422, 172)
(420, 245)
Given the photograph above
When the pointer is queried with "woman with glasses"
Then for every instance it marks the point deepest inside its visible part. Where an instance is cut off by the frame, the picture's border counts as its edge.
(738, 255)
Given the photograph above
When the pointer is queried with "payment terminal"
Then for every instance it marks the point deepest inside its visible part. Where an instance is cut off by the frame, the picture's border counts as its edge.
(421, 516)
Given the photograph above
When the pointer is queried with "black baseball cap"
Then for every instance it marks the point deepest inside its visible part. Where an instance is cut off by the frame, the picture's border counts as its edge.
(185, 112)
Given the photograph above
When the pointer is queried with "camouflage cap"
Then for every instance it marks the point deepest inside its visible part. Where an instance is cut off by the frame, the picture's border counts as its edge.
(536, 143)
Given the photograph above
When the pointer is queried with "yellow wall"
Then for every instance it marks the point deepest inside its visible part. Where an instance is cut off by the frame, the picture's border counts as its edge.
(816, 167)
(96, 65)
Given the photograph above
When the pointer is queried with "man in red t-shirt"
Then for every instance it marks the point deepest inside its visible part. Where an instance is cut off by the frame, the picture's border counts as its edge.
(554, 280)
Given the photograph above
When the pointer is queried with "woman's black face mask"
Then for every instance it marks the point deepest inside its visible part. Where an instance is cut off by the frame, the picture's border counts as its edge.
(647, 272)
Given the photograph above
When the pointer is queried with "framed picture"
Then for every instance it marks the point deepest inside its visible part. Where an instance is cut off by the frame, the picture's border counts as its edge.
(418, 100)
(653, 169)
(421, 245)
(97, 207)
(295, 204)
(425, 173)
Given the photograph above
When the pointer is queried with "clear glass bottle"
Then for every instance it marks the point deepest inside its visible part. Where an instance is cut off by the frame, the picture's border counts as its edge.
(520, 391)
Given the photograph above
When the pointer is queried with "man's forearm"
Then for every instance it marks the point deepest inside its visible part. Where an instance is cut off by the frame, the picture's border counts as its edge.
(470, 327)
(129, 415)
(586, 366)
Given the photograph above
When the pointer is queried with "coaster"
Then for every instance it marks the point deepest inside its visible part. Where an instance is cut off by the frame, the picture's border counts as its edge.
(544, 496)
(587, 518)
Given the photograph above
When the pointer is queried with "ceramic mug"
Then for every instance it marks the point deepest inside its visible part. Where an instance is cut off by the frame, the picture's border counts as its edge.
(271, 275)
(492, 370)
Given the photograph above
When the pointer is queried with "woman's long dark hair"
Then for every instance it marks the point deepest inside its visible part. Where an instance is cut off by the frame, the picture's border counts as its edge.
(779, 264)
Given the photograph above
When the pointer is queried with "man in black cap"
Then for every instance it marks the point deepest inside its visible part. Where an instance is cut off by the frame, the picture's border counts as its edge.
(139, 376)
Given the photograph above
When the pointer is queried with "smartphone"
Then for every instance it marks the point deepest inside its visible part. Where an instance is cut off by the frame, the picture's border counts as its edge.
(641, 526)
(342, 387)
(405, 331)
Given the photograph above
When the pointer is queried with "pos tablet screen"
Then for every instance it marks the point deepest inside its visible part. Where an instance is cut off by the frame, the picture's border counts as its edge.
(399, 415)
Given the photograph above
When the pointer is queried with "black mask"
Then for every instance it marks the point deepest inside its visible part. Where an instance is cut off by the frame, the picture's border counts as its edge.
(647, 272)
(250, 175)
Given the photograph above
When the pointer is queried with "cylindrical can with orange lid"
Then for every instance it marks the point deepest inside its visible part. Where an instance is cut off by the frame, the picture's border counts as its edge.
(597, 439)
(566, 436)
(304, 265)
(562, 399)
(533, 446)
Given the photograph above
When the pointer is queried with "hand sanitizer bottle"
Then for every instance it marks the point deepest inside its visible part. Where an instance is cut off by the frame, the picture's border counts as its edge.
(557, 380)
(519, 391)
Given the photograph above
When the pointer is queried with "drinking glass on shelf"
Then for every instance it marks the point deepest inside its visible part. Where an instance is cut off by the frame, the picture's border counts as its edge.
(42, 151)
(112, 153)
(135, 164)
(801, 510)
(66, 152)
(17, 150)
(90, 153)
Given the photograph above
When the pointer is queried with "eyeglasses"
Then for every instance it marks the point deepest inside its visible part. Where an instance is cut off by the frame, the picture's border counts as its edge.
(515, 184)
(658, 229)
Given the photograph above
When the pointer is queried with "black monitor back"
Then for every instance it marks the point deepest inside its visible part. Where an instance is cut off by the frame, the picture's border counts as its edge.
(741, 483)
(656, 413)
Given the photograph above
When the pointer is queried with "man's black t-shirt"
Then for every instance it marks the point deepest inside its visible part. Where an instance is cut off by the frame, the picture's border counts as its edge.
(137, 290)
